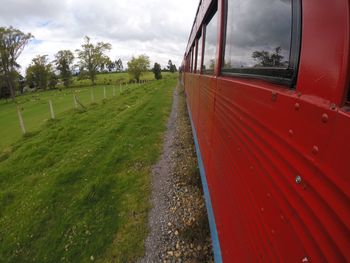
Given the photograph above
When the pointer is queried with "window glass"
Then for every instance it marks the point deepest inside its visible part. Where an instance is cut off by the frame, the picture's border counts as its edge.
(188, 61)
(199, 55)
(210, 45)
(192, 59)
(258, 36)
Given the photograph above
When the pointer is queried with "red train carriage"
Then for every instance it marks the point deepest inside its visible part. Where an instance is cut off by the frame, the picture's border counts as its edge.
(267, 85)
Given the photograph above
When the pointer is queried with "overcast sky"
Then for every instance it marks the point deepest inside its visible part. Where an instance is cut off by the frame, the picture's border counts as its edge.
(157, 28)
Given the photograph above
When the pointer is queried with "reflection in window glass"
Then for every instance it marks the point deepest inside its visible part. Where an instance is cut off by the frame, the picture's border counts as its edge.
(258, 34)
(210, 45)
(188, 62)
(199, 55)
(191, 61)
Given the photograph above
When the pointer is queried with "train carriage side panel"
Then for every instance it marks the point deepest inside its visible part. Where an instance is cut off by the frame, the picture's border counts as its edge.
(275, 158)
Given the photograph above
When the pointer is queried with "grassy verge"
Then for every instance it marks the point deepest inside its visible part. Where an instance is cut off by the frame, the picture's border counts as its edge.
(35, 107)
(78, 189)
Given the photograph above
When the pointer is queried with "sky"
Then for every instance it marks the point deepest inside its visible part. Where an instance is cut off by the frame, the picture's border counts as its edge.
(157, 28)
(265, 30)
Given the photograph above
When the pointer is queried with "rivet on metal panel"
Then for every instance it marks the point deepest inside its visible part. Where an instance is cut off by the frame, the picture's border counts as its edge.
(268, 195)
(274, 96)
(238, 149)
(299, 94)
(251, 167)
(333, 106)
(282, 217)
(314, 149)
(272, 231)
(297, 106)
(262, 209)
(290, 133)
(324, 117)
(298, 179)
(305, 259)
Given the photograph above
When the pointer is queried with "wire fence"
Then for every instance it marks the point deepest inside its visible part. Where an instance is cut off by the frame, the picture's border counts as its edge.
(31, 110)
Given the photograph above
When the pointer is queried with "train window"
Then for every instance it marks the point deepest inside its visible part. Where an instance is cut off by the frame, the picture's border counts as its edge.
(192, 60)
(188, 62)
(262, 39)
(211, 30)
(199, 55)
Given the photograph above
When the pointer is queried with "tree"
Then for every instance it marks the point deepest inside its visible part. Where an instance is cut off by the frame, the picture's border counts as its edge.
(53, 80)
(157, 71)
(110, 66)
(21, 83)
(119, 65)
(5, 92)
(138, 66)
(91, 57)
(39, 72)
(12, 43)
(267, 59)
(63, 62)
(171, 67)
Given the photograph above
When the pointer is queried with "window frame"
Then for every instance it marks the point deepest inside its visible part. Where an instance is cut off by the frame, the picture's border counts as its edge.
(199, 38)
(211, 13)
(189, 63)
(195, 48)
(191, 59)
(268, 73)
(347, 96)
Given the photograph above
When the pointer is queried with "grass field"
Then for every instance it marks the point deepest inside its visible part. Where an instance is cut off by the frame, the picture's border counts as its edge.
(112, 79)
(77, 189)
(36, 108)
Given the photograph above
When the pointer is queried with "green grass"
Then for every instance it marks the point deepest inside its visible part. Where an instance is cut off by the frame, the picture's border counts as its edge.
(113, 79)
(36, 108)
(78, 188)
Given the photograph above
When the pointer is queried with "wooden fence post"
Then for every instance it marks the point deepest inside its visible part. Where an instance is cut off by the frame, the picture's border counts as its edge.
(104, 92)
(51, 110)
(21, 123)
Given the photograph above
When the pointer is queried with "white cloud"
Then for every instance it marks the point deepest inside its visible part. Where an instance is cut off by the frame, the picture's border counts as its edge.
(158, 28)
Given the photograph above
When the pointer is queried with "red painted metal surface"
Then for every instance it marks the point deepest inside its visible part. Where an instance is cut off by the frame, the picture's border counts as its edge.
(277, 160)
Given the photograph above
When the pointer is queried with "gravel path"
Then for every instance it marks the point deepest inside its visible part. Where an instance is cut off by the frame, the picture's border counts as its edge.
(178, 224)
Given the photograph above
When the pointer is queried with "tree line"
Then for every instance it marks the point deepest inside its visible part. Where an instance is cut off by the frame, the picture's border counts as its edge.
(91, 59)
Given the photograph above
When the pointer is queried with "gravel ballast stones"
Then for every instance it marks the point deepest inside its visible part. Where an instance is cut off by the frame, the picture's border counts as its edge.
(179, 230)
